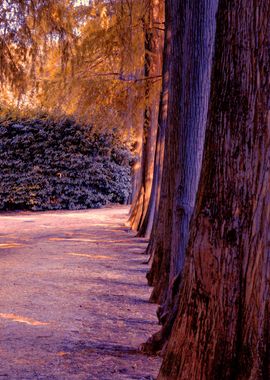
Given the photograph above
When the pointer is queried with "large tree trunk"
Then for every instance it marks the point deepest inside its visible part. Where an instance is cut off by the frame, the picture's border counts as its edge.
(223, 322)
(159, 246)
(148, 221)
(192, 40)
(153, 64)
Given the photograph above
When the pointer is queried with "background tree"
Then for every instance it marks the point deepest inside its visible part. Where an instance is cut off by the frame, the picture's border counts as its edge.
(21, 49)
(154, 37)
(98, 62)
(146, 227)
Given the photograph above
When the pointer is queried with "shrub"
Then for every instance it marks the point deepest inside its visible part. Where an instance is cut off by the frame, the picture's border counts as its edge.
(48, 165)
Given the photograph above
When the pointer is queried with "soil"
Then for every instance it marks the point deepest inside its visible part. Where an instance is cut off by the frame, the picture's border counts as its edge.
(73, 297)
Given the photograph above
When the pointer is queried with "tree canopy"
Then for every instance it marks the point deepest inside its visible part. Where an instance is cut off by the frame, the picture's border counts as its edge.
(84, 59)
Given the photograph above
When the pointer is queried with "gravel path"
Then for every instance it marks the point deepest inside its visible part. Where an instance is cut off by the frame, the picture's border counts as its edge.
(73, 297)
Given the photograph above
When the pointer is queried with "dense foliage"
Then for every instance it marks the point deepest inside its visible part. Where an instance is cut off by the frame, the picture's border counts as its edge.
(72, 55)
(46, 165)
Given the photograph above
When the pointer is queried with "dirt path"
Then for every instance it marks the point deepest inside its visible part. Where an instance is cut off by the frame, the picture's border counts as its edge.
(73, 297)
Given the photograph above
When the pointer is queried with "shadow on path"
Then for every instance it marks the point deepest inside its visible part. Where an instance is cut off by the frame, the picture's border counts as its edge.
(73, 297)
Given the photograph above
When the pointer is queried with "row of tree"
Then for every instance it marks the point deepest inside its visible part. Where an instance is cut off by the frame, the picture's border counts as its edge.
(209, 246)
(188, 82)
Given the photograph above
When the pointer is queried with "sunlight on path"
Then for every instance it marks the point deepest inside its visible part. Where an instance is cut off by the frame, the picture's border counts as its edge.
(73, 297)
(18, 318)
(93, 256)
(9, 245)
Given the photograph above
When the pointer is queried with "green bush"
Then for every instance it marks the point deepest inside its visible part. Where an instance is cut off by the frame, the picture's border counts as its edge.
(49, 165)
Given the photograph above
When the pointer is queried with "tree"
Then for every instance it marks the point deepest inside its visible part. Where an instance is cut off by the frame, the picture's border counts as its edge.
(146, 227)
(192, 39)
(21, 49)
(152, 68)
(159, 244)
(80, 60)
(222, 325)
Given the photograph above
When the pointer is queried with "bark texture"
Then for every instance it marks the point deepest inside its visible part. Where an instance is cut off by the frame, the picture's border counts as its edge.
(159, 245)
(192, 40)
(153, 64)
(222, 326)
(148, 221)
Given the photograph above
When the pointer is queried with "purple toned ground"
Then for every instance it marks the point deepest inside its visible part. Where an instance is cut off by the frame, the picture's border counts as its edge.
(73, 297)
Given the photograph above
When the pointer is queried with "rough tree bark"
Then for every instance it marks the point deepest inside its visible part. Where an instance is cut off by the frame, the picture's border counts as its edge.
(159, 245)
(192, 41)
(223, 322)
(148, 221)
(153, 64)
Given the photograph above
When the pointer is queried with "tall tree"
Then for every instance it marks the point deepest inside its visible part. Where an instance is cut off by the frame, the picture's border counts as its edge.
(159, 245)
(192, 40)
(148, 220)
(26, 28)
(223, 322)
(152, 72)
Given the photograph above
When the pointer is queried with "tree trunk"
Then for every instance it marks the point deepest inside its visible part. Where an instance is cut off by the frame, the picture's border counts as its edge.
(137, 166)
(192, 40)
(222, 326)
(153, 64)
(127, 69)
(159, 246)
(148, 221)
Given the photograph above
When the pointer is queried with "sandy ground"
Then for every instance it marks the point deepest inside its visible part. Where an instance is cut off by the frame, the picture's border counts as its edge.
(73, 297)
